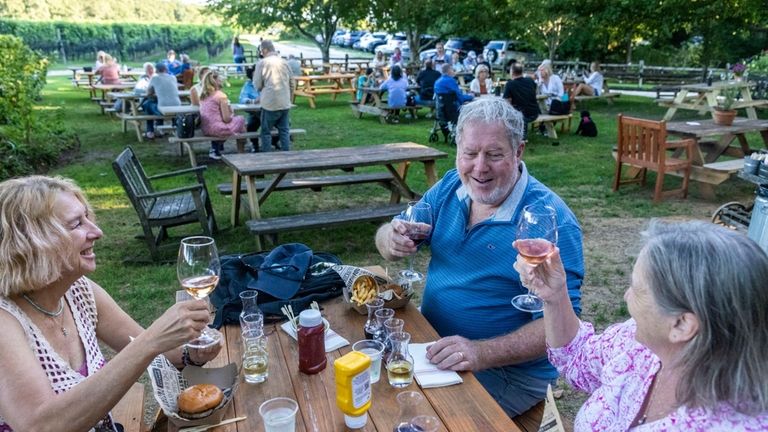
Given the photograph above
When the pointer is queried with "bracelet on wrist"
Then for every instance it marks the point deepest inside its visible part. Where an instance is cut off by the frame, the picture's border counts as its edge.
(186, 359)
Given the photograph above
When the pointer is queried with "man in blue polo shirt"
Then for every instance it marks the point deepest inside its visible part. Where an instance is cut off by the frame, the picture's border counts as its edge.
(476, 210)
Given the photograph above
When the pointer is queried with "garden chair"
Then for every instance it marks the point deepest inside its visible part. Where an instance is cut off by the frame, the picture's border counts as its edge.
(643, 144)
(168, 208)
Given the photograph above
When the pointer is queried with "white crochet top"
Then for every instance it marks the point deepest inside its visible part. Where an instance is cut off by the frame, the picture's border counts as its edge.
(59, 372)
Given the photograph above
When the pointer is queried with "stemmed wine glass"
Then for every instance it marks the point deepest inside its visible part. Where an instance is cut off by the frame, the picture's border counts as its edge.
(198, 269)
(418, 223)
(536, 239)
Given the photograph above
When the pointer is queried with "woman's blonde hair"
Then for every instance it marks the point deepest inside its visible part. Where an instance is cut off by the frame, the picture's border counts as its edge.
(210, 84)
(481, 68)
(34, 243)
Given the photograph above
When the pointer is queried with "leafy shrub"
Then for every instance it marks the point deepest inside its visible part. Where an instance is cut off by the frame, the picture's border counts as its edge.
(83, 40)
(29, 142)
(759, 65)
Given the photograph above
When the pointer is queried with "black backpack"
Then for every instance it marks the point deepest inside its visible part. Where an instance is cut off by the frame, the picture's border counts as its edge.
(241, 271)
(185, 125)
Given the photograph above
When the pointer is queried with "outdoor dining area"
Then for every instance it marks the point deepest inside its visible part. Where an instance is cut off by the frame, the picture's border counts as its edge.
(535, 235)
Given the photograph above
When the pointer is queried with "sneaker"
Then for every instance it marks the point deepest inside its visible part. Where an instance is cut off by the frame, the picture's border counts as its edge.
(149, 135)
(213, 154)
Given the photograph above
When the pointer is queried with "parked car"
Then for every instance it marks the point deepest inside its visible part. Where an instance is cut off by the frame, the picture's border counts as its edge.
(394, 41)
(367, 41)
(338, 37)
(464, 45)
(499, 52)
(351, 37)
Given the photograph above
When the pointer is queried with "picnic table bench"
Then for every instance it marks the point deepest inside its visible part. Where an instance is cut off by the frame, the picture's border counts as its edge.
(703, 98)
(186, 144)
(550, 121)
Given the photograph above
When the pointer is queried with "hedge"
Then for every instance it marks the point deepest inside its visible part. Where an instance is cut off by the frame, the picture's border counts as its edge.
(67, 40)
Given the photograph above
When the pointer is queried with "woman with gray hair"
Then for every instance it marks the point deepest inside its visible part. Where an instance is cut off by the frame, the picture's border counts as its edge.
(693, 355)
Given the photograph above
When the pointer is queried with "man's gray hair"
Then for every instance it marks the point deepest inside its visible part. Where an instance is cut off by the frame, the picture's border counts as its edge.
(492, 109)
(267, 46)
(446, 68)
(719, 275)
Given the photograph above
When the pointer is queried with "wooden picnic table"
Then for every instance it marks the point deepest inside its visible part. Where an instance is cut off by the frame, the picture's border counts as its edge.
(703, 98)
(396, 158)
(194, 109)
(707, 167)
(373, 103)
(310, 86)
(460, 408)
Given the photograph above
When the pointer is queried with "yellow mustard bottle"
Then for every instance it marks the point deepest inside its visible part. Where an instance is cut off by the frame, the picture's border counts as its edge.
(353, 388)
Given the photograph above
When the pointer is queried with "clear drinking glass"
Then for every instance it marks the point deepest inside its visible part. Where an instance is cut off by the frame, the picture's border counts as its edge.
(198, 269)
(375, 350)
(536, 239)
(255, 356)
(279, 414)
(418, 222)
(372, 327)
(251, 316)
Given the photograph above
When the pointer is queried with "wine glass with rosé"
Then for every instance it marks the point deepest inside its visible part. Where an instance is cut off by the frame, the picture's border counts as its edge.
(418, 223)
(536, 239)
(198, 269)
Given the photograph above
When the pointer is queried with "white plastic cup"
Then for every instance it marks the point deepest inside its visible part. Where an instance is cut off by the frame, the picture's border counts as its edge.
(279, 414)
(373, 349)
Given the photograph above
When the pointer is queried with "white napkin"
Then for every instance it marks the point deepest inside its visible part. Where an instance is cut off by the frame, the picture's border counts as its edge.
(332, 339)
(426, 373)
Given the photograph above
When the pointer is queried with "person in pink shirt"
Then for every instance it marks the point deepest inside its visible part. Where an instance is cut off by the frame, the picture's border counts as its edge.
(693, 355)
(109, 71)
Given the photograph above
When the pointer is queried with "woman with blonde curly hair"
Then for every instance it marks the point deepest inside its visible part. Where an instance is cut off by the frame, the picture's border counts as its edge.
(53, 374)
(216, 116)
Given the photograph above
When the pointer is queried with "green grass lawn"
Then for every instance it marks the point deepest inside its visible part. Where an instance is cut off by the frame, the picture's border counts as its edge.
(579, 169)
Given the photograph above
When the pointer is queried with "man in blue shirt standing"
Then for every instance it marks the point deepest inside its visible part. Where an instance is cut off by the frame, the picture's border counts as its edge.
(476, 209)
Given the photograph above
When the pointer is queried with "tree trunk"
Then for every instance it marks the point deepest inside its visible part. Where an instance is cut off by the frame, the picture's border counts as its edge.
(629, 49)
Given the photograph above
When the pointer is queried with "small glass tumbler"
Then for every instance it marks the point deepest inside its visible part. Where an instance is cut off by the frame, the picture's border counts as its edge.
(279, 414)
(373, 349)
(393, 325)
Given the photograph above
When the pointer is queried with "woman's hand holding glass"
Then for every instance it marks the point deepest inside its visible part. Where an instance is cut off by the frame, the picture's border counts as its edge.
(198, 269)
(547, 279)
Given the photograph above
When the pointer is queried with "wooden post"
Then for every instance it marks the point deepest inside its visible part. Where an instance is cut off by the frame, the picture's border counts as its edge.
(641, 65)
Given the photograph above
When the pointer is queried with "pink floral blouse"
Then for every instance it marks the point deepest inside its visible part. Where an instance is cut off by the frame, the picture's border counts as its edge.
(617, 371)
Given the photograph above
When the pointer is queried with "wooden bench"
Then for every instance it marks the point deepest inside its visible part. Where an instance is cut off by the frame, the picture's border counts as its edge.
(382, 111)
(136, 120)
(607, 96)
(325, 219)
(186, 143)
(666, 92)
(549, 121)
(129, 412)
(312, 94)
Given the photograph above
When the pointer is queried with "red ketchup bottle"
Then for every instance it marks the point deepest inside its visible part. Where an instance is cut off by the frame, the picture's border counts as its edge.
(311, 342)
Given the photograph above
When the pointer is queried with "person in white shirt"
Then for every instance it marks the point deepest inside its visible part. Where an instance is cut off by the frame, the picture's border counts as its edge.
(550, 84)
(593, 84)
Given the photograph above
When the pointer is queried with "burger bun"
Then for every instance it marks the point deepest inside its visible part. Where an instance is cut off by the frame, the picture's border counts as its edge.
(199, 401)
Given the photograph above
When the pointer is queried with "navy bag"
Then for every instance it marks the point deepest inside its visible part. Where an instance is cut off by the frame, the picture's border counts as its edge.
(291, 274)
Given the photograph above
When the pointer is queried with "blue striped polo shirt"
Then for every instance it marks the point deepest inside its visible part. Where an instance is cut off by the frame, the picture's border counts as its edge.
(471, 281)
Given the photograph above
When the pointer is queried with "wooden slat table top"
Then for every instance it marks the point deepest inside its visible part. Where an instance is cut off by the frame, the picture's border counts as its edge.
(333, 76)
(717, 86)
(461, 408)
(703, 128)
(194, 109)
(251, 164)
(110, 87)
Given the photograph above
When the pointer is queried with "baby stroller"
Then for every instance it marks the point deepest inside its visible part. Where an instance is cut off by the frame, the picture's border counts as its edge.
(446, 116)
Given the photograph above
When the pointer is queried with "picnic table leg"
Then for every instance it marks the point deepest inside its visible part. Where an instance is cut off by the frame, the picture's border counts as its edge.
(711, 104)
(551, 131)
(401, 189)
(747, 97)
(236, 184)
(253, 197)
(429, 169)
(677, 101)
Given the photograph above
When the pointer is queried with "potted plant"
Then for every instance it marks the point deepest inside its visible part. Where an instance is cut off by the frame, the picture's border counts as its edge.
(723, 114)
(738, 70)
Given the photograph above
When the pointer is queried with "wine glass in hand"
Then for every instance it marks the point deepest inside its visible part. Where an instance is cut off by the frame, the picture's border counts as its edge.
(536, 239)
(418, 223)
(198, 269)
